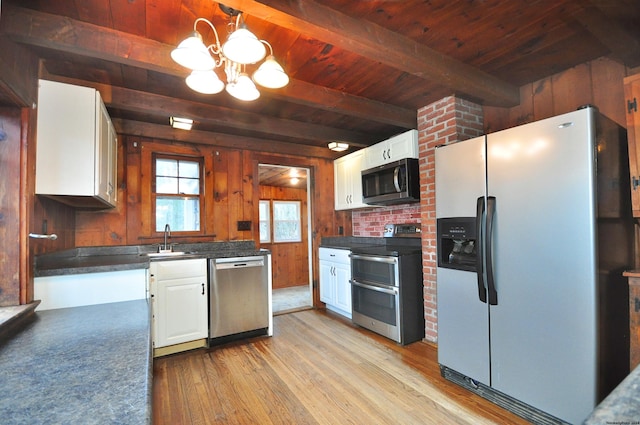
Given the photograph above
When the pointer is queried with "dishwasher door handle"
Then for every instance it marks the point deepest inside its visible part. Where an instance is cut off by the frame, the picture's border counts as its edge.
(227, 266)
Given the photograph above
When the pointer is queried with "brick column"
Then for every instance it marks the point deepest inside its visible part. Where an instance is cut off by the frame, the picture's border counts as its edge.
(446, 121)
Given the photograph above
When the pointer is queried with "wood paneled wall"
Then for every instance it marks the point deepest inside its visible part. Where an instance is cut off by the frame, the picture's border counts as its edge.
(231, 194)
(10, 207)
(598, 83)
(18, 93)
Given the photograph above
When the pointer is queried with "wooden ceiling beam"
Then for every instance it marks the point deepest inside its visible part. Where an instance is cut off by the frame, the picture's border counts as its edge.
(157, 131)
(308, 94)
(382, 45)
(64, 34)
(67, 35)
(163, 106)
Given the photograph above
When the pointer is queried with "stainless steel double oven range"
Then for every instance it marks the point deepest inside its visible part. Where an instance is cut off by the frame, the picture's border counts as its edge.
(386, 285)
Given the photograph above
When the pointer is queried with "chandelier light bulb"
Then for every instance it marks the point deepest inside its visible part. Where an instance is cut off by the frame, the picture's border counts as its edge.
(270, 74)
(206, 82)
(243, 47)
(243, 88)
(193, 54)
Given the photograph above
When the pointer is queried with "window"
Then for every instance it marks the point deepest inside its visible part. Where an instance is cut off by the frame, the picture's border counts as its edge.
(286, 221)
(177, 194)
(265, 221)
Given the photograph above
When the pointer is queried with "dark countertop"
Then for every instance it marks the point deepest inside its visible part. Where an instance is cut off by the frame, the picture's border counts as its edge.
(374, 246)
(349, 242)
(130, 257)
(622, 406)
(81, 365)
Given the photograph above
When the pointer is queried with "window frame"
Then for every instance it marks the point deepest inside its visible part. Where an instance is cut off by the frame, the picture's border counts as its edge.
(154, 194)
(267, 221)
(274, 238)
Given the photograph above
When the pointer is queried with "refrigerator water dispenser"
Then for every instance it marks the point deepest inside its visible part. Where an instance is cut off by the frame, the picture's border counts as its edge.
(457, 243)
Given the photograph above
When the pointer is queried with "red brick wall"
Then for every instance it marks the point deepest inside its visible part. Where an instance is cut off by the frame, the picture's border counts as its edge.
(370, 222)
(448, 120)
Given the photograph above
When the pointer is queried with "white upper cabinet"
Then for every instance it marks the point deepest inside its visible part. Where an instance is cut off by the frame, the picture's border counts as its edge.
(404, 145)
(76, 147)
(348, 181)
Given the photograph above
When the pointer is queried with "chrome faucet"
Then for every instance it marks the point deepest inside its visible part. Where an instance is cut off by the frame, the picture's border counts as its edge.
(167, 235)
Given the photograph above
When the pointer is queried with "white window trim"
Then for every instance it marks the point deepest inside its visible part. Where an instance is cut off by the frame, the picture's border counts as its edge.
(267, 221)
(299, 207)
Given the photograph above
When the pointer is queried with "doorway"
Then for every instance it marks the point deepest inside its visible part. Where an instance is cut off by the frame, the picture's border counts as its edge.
(285, 229)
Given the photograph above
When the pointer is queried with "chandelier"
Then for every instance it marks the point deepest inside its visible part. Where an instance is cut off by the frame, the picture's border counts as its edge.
(242, 48)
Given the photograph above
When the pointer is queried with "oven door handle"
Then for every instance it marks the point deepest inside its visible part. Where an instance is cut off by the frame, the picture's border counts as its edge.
(384, 290)
(389, 260)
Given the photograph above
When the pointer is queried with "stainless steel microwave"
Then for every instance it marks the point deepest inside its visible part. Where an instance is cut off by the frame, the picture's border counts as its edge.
(395, 183)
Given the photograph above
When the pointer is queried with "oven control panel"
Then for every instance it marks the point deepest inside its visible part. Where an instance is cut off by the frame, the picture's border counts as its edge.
(406, 230)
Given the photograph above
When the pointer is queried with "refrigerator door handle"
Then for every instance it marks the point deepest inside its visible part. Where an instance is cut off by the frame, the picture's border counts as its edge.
(491, 211)
(482, 292)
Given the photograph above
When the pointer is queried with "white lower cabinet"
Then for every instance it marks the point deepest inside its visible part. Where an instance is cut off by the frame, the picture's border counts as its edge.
(179, 296)
(335, 273)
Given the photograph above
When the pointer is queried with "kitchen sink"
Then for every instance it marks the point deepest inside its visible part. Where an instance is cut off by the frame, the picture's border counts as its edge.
(166, 254)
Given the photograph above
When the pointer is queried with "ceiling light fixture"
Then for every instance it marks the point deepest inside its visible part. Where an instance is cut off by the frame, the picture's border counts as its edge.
(242, 48)
(338, 146)
(181, 123)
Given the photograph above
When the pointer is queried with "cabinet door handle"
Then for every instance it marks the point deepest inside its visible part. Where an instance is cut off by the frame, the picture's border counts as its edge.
(203, 289)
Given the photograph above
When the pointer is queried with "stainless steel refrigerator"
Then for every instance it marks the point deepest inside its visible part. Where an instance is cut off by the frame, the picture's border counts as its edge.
(534, 231)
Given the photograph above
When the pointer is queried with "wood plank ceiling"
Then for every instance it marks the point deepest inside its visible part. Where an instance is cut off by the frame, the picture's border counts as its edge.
(359, 69)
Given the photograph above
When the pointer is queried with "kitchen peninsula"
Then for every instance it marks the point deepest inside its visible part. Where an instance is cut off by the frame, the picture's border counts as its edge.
(89, 365)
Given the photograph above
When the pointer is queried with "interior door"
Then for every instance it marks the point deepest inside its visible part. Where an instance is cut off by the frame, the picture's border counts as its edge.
(543, 327)
(463, 320)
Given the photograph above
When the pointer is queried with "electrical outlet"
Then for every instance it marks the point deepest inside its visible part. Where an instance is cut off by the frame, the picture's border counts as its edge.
(244, 225)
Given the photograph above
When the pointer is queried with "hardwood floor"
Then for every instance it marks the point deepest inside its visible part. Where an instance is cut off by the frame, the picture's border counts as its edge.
(316, 369)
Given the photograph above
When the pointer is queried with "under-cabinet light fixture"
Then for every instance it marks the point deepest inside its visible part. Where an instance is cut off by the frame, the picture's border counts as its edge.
(181, 123)
(242, 48)
(338, 146)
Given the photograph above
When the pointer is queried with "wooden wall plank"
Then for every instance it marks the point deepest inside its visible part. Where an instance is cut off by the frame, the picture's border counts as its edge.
(10, 148)
(235, 194)
(608, 88)
(542, 98)
(221, 217)
(131, 187)
(571, 89)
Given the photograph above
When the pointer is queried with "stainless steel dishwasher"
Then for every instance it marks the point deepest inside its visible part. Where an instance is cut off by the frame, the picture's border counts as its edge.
(238, 296)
